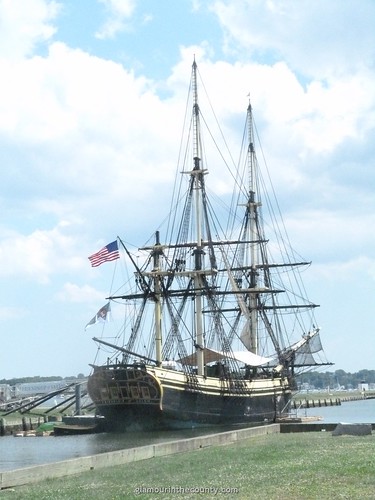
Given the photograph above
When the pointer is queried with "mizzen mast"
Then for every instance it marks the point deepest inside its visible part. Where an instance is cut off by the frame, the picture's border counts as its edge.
(157, 251)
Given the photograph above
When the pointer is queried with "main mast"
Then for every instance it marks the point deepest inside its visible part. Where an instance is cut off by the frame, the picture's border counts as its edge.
(197, 174)
(252, 207)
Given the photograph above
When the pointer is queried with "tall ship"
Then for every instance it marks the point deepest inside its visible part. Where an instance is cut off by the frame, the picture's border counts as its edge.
(217, 325)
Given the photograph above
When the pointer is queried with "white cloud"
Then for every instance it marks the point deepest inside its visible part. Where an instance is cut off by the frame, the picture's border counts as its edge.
(38, 255)
(80, 118)
(24, 24)
(79, 294)
(345, 272)
(82, 134)
(317, 39)
(336, 112)
(119, 11)
(123, 8)
(338, 235)
(11, 313)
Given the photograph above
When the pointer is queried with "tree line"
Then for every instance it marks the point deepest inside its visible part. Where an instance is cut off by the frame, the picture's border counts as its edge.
(337, 379)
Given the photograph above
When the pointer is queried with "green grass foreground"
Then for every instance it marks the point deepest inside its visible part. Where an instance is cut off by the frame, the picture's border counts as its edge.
(272, 467)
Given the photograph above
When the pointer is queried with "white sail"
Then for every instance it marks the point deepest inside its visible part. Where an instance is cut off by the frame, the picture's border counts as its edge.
(210, 356)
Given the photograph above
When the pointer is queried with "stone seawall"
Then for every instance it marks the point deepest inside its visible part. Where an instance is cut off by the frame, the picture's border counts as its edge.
(77, 465)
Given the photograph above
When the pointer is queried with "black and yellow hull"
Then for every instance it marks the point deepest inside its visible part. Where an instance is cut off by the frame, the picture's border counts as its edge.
(146, 397)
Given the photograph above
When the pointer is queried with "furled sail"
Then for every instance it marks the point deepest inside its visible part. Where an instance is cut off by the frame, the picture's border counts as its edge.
(210, 356)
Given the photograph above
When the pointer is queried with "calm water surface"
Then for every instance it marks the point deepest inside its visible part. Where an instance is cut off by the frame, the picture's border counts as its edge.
(19, 452)
(16, 453)
(353, 412)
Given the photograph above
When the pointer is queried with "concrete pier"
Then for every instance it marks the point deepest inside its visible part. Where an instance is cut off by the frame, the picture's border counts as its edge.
(24, 424)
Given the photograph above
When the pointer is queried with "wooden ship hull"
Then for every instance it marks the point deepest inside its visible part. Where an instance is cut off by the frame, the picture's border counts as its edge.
(148, 397)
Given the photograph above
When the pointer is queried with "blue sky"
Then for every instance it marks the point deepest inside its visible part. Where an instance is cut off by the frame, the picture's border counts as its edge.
(92, 96)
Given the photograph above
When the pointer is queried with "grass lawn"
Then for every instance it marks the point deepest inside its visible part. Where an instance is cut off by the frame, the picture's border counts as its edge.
(273, 467)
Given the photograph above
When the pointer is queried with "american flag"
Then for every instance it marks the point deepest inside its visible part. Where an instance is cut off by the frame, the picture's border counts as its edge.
(106, 254)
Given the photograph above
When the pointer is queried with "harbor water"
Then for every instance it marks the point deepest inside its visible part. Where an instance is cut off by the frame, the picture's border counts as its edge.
(352, 412)
(20, 452)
